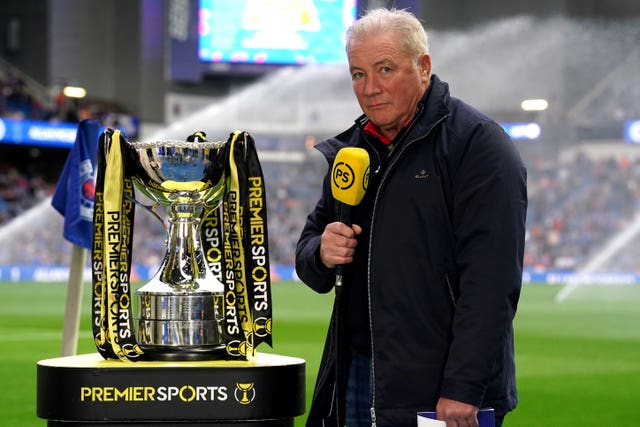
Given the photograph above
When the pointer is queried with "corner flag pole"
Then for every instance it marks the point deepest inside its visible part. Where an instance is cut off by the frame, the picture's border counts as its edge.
(73, 198)
(73, 304)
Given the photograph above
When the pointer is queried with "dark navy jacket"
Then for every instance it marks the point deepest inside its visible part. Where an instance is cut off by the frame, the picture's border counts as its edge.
(440, 263)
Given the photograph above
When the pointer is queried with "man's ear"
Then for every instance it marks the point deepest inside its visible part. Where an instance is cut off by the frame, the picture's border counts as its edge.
(424, 65)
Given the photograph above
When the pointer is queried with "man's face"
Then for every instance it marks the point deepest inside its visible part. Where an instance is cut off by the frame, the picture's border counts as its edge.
(387, 81)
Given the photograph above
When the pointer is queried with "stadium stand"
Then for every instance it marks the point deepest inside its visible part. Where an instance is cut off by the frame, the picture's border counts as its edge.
(615, 99)
(579, 196)
(576, 204)
(22, 98)
(19, 192)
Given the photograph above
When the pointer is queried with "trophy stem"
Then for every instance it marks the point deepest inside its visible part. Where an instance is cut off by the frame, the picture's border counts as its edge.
(184, 262)
(180, 309)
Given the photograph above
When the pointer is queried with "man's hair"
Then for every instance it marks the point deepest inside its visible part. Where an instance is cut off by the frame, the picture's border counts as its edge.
(402, 22)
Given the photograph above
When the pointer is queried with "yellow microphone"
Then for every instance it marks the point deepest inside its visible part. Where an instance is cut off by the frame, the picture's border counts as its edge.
(349, 179)
(349, 182)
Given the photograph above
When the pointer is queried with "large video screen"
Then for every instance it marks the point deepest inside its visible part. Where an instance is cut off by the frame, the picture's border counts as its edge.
(274, 31)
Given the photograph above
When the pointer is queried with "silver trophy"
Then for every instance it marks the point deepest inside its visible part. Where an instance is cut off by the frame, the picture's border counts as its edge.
(180, 310)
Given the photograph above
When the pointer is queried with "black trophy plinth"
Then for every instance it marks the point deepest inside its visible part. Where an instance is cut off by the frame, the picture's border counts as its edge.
(88, 390)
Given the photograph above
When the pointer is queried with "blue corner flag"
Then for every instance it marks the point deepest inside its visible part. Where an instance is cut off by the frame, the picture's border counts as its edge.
(75, 190)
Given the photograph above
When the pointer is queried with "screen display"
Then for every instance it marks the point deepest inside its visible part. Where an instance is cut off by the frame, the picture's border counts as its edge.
(274, 31)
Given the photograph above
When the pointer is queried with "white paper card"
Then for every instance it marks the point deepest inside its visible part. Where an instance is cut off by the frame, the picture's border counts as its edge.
(486, 418)
(428, 422)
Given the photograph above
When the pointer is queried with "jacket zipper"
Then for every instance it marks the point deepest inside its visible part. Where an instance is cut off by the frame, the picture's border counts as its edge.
(450, 288)
(403, 148)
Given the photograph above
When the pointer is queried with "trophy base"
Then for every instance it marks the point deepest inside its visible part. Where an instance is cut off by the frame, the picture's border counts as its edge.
(180, 325)
(181, 340)
(174, 354)
(86, 390)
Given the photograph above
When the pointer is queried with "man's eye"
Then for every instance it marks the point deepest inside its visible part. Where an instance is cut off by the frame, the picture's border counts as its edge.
(357, 75)
(385, 70)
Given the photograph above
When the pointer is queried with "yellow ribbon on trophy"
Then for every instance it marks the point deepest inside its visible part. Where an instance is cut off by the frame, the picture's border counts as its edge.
(243, 264)
(111, 258)
(236, 293)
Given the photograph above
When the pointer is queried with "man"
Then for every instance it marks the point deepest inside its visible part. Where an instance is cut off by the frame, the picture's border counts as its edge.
(434, 257)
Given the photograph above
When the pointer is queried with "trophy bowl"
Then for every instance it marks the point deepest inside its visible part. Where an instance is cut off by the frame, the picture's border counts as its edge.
(180, 310)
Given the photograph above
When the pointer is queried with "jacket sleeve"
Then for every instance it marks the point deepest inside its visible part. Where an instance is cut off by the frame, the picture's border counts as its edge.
(309, 268)
(489, 202)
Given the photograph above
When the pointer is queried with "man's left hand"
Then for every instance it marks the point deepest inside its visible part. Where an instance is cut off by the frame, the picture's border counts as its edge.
(456, 414)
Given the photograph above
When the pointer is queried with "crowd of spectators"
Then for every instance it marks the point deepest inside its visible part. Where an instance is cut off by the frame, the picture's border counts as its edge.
(19, 191)
(20, 101)
(576, 203)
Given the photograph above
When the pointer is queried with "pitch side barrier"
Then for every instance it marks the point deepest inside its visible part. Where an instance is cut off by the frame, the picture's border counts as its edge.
(60, 273)
(604, 278)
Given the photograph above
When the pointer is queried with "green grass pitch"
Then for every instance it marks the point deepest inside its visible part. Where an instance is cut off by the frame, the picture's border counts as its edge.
(578, 361)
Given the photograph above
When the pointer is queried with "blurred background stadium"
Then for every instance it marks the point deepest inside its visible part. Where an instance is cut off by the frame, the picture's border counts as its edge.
(142, 70)
(145, 68)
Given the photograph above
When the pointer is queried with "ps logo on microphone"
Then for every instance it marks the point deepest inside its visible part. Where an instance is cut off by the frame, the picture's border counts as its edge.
(344, 177)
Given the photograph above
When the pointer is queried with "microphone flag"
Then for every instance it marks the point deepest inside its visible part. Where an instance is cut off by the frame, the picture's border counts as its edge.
(74, 193)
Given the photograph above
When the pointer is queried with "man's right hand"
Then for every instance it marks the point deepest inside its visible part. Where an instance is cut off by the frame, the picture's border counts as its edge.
(338, 244)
